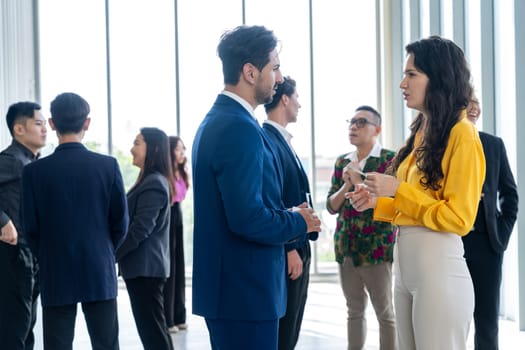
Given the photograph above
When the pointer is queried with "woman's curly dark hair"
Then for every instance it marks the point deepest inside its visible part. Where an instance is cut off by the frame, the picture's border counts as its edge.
(448, 93)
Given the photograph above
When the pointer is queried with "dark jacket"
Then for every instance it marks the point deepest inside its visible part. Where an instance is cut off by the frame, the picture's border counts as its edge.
(500, 193)
(74, 213)
(145, 252)
(295, 180)
(12, 161)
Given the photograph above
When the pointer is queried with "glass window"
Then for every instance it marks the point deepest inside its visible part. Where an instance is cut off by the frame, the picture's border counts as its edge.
(345, 77)
(200, 72)
(425, 18)
(505, 75)
(73, 59)
(294, 56)
(200, 77)
(291, 25)
(407, 20)
(147, 41)
(473, 49)
(295, 61)
(448, 19)
(142, 53)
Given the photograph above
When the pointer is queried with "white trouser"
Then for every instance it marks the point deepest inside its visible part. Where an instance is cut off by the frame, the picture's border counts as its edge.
(433, 294)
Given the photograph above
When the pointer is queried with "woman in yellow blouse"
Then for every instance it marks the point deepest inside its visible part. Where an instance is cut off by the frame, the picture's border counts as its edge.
(433, 197)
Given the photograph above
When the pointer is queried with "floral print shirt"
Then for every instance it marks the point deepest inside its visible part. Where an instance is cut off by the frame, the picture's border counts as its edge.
(357, 235)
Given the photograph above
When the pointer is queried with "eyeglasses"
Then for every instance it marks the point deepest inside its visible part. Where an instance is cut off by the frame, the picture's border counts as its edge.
(360, 122)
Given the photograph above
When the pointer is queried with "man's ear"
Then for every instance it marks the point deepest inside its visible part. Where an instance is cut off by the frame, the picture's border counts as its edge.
(249, 72)
(51, 124)
(18, 129)
(285, 99)
(86, 124)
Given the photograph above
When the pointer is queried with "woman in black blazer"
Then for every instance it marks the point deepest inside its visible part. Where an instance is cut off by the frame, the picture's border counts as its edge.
(143, 257)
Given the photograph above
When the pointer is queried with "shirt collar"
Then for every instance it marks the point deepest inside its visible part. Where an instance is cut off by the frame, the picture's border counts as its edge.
(241, 100)
(282, 130)
(375, 152)
(26, 151)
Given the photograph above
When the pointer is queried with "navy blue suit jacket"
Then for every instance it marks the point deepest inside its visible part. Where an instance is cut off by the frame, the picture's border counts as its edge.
(295, 185)
(500, 193)
(145, 251)
(74, 214)
(240, 221)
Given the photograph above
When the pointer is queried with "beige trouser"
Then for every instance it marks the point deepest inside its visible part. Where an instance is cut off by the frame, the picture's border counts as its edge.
(377, 280)
(433, 294)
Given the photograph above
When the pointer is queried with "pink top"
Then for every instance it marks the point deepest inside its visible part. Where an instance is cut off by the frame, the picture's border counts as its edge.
(180, 190)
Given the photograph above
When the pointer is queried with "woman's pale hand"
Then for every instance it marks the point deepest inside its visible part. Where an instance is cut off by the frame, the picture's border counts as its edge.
(361, 199)
(381, 185)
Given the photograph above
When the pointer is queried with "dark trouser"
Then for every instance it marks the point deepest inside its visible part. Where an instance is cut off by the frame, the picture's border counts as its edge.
(242, 335)
(147, 303)
(101, 320)
(175, 288)
(290, 323)
(18, 297)
(485, 267)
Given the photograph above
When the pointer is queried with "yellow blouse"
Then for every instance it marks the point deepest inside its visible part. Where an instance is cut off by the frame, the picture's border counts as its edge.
(453, 207)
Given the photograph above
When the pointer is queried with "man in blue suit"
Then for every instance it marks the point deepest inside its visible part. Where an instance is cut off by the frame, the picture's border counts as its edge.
(486, 244)
(74, 214)
(283, 110)
(240, 221)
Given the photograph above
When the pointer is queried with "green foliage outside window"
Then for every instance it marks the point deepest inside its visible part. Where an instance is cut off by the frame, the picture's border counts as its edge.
(124, 160)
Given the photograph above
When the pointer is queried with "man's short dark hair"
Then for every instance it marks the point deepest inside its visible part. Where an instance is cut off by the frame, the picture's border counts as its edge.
(69, 112)
(20, 111)
(371, 110)
(287, 87)
(245, 44)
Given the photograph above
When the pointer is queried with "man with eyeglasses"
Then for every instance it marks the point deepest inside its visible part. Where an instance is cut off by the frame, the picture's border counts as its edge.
(363, 247)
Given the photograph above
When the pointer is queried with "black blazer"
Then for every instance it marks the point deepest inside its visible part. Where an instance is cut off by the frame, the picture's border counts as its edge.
(295, 180)
(145, 251)
(500, 193)
(74, 213)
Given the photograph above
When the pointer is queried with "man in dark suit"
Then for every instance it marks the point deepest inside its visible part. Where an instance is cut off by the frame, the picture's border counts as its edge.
(486, 244)
(18, 266)
(240, 222)
(283, 110)
(74, 214)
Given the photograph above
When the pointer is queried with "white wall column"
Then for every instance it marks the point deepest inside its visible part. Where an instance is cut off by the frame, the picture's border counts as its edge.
(18, 57)
(519, 12)
(392, 58)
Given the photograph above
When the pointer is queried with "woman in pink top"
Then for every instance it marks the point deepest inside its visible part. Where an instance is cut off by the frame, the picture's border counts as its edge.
(174, 291)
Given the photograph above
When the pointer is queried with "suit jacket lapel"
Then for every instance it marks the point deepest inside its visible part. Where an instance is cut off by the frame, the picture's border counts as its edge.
(270, 148)
(304, 177)
(291, 153)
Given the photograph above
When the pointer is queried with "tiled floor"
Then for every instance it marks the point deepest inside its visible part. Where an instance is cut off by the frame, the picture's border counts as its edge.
(324, 325)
